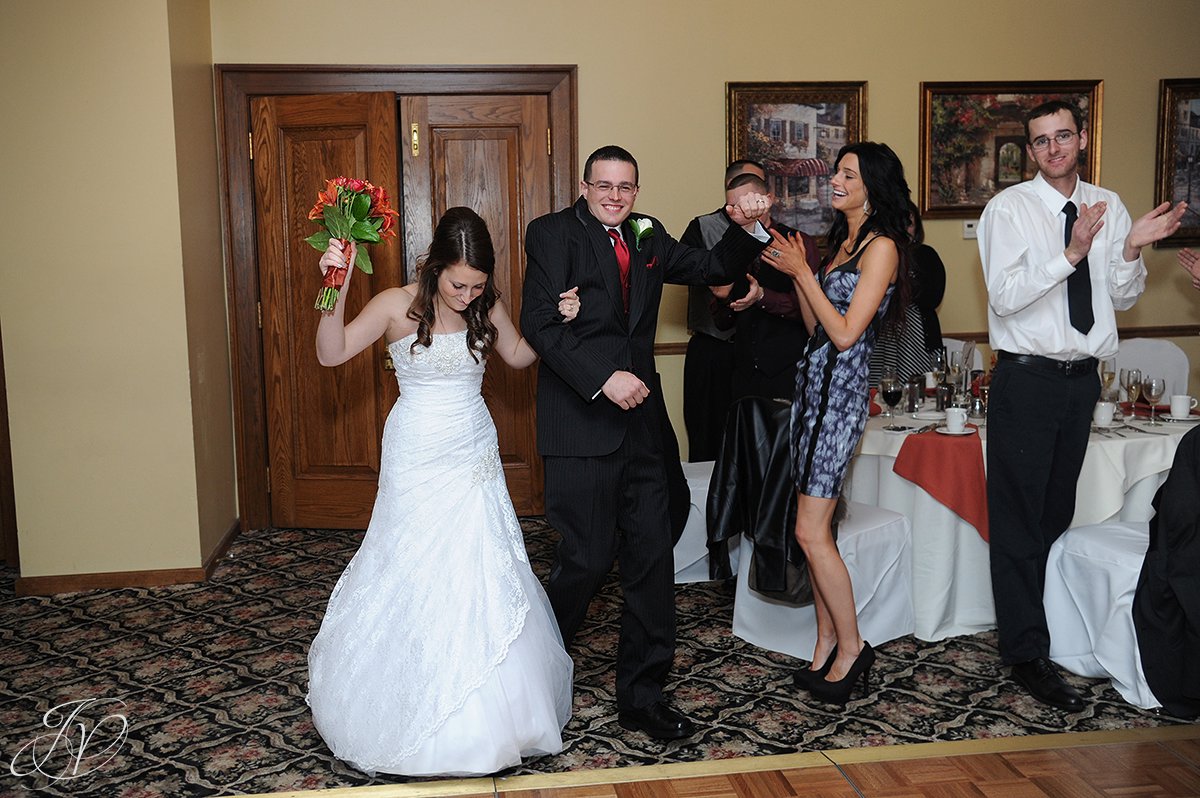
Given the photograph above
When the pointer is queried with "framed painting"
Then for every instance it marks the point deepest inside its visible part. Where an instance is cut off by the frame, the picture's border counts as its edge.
(795, 130)
(973, 140)
(1177, 167)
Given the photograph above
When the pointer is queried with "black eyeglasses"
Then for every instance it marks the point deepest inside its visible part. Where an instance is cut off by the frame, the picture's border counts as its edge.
(1062, 137)
(605, 187)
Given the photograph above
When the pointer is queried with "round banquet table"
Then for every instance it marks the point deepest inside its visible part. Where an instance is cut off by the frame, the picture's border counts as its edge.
(952, 586)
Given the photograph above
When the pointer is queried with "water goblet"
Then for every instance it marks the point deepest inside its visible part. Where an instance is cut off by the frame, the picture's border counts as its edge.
(1153, 388)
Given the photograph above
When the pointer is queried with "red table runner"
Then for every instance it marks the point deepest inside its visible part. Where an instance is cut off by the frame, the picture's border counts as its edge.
(950, 469)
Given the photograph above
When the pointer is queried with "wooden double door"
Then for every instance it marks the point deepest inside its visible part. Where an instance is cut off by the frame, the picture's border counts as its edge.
(431, 152)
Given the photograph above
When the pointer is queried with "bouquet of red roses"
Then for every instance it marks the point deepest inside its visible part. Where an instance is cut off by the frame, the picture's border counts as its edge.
(349, 210)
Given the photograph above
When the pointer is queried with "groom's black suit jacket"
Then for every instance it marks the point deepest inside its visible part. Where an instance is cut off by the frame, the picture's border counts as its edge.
(571, 248)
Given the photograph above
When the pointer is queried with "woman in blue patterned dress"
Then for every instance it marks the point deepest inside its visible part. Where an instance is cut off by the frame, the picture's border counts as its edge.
(864, 278)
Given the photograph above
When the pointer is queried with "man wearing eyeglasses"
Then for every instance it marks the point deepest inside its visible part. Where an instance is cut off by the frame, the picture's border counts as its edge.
(1060, 256)
(601, 419)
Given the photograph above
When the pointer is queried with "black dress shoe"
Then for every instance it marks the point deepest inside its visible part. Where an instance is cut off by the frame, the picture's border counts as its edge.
(658, 721)
(1043, 682)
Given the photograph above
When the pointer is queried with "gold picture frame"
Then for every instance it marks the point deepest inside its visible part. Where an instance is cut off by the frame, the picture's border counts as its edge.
(1177, 162)
(795, 130)
(973, 139)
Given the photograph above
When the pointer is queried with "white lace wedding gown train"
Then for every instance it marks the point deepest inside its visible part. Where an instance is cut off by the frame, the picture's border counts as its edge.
(439, 653)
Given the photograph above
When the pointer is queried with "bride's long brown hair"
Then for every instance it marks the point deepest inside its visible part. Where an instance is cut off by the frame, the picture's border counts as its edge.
(461, 236)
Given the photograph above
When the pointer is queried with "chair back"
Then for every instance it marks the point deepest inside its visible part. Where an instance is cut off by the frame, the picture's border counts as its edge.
(955, 345)
(1157, 357)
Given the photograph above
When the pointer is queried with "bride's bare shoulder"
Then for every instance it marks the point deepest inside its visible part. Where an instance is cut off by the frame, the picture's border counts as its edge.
(397, 301)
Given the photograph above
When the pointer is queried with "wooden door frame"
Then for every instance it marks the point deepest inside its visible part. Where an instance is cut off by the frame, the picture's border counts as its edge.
(235, 84)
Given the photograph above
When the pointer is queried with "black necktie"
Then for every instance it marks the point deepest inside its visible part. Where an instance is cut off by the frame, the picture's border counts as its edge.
(1079, 284)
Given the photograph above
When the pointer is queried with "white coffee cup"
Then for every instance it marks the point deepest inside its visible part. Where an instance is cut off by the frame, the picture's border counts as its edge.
(1181, 405)
(1102, 415)
(956, 419)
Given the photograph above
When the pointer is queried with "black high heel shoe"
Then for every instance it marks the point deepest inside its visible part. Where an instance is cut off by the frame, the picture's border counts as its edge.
(804, 677)
(839, 692)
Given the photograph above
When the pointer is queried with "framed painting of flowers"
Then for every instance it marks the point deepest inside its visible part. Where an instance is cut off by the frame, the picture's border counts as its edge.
(973, 139)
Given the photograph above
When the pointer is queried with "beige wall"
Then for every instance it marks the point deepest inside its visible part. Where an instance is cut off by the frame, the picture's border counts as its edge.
(116, 360)
(99, 342)
(203, 273)
(655, 82)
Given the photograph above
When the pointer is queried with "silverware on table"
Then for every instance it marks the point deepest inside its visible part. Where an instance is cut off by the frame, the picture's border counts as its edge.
(1143, 431)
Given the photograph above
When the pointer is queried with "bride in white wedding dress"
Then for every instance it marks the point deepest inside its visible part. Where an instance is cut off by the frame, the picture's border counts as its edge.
(438, 653)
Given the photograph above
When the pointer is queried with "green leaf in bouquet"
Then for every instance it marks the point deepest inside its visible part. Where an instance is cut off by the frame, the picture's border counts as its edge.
(319, 240)
(363, 261)
(336, 222)
(360, 207)
(364, 231)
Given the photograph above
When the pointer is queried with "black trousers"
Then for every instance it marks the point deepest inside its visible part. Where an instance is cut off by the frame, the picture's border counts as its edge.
(615, 507)
(707, 394)
(1038, 425)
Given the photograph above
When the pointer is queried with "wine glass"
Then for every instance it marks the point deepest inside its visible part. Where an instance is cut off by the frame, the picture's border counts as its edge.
(1108, 375)
(1153, 389)
(939, 365)
(890, 389)
(1131, 380)
(955, 369)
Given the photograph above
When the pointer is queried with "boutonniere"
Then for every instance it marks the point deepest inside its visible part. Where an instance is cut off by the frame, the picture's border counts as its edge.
(642, 229)
(650, 264)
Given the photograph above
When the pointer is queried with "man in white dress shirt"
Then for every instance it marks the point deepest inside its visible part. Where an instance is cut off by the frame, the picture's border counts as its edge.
(1060, 256)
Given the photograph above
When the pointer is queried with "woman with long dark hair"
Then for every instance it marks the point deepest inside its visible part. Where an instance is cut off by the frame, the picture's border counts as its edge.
(863, 282)
(438, 652)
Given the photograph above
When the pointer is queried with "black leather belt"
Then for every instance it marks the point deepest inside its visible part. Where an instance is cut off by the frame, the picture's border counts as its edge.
(1068, 368)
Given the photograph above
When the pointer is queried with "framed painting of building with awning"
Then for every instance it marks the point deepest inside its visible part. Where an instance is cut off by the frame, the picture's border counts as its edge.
(1177, 167)
(795, 131)
(973, 139)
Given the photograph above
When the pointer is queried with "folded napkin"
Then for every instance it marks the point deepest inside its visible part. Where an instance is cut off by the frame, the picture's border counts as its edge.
(873, 408)
(950, 469)
(1142, 409)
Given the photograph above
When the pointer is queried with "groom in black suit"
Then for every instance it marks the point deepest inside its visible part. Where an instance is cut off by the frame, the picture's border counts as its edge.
(601, 416)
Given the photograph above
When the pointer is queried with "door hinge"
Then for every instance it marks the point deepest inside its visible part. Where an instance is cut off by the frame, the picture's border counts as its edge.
(250, 138)
(549, 149)
(268, 479)
(416, 139)
(259, 306)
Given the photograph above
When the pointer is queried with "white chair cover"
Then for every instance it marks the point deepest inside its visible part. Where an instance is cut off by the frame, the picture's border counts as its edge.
(955, 345)
(691, 552)
(876, 545)
(1091, 576)
(1156, 357)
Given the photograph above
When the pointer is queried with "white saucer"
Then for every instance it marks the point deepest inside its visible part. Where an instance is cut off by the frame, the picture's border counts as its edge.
(1170, 417)
(965, 431)
(1109, 425)
(929, 415)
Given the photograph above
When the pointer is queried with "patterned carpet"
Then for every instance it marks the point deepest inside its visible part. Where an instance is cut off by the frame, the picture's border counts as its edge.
(210, 681)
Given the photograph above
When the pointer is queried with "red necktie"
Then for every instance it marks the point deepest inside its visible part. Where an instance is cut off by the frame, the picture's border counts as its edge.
(622, 252)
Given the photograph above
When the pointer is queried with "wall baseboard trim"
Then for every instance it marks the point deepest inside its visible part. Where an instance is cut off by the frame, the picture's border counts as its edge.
(1172, 331)
(218, 554)
(112, 580)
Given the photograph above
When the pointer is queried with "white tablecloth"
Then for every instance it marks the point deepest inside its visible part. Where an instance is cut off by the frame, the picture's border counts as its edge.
(952, 585)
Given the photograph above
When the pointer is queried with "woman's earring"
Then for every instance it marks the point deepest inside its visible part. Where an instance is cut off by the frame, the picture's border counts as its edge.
(867, 207)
